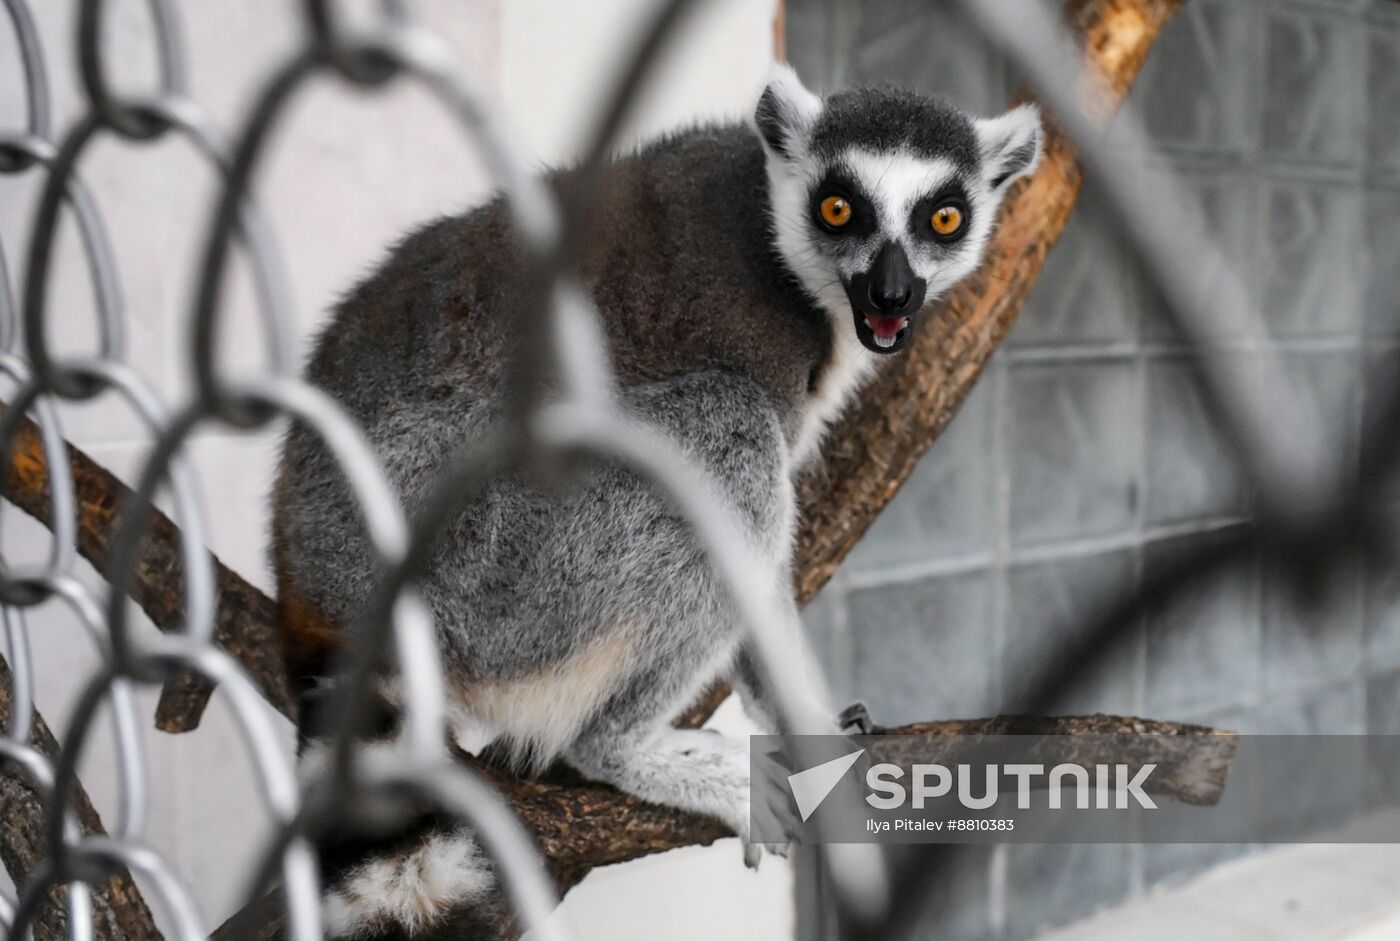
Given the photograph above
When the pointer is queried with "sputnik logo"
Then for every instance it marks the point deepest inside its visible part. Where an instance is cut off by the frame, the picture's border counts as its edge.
(811, 787)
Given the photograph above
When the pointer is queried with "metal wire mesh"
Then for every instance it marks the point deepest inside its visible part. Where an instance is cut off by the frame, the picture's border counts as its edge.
(584, 420)
(1300, 498)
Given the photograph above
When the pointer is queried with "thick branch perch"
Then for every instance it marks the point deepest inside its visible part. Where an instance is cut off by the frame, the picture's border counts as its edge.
(869, 455)
(580, 826)
(118, 910)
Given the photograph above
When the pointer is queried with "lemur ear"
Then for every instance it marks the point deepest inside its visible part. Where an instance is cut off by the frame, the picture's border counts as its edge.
(1011, 145)
(785, 114)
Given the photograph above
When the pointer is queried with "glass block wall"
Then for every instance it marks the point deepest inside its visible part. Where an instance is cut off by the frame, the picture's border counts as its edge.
(1086, 455)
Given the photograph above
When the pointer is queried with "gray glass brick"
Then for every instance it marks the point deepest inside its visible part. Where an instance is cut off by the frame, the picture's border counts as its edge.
(1195, 91)
(1313, 67)
(1072, 446)
(1327, 387)
(1311, 271)
(1381, 613)
(1050, 605)
(1312, 627)
(1225, 200)
(1381, 392)
(926, 649)
(1383, 99)
(812, 40)
(1383, 719)
(1202, 646)
(1338, 709)
(824, 622)
(1084, 294)
(1382, 282)
(1231, 719)
(918, 45)
(945, 507)
(1192, 470)
(1049, 885)
(1296, 808)
(1381, 13)
(1383, 704)
(1344, 6)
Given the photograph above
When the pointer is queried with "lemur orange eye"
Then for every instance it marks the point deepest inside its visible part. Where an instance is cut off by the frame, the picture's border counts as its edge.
(947, 220)
(836, 211)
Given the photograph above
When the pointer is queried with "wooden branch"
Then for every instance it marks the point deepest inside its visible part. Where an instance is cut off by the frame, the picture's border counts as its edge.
(1192, 761)
(118, 911)
(579, 826)
(869, 455)
(244, 623)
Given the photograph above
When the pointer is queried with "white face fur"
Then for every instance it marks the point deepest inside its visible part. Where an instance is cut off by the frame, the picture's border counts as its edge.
(876, 217)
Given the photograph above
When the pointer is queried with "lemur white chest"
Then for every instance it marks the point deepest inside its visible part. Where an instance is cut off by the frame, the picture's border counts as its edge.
(838, 383)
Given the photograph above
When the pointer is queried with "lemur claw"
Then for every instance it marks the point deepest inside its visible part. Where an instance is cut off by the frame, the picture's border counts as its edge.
(753, 854)
(856, 717)
(770, 777)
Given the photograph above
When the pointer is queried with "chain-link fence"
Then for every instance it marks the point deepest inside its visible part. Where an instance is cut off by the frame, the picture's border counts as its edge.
(1305, 513)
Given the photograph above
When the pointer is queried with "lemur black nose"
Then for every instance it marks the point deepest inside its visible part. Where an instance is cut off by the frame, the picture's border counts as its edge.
(894, 289)
(890, 303)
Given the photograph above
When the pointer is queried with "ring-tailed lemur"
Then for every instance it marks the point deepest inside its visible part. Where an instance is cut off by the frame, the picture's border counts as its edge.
(746, 284)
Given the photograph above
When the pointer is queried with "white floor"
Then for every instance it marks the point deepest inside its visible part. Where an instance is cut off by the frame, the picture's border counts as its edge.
(1311, 892)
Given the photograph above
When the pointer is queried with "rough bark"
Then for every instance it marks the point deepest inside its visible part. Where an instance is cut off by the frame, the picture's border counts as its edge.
(117, 907)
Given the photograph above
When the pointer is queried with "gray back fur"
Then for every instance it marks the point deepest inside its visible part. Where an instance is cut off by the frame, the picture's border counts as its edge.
(712, 342)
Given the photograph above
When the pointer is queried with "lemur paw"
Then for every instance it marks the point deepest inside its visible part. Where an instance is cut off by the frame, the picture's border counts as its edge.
(774, 813)
(856, 718)
(754, 852)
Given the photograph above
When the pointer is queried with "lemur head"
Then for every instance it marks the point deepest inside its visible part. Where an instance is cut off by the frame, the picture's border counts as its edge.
(883, 199)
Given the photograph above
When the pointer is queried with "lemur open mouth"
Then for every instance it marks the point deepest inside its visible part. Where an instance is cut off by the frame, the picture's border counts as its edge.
(880, 333)
(884, 299)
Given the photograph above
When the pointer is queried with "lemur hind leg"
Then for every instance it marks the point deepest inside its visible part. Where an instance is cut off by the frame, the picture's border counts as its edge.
(696, 770)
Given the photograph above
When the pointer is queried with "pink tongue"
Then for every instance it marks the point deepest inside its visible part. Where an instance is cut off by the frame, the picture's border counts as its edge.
(884, 327)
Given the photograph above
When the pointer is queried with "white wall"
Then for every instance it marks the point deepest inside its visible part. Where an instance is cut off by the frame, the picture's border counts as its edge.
(348, 174)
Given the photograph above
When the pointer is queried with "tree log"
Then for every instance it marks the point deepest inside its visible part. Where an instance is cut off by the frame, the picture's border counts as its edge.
(118, 911)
